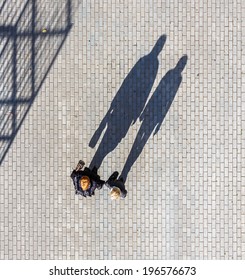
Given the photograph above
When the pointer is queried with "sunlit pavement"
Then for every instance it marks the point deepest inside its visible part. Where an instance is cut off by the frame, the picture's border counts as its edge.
(65, 67)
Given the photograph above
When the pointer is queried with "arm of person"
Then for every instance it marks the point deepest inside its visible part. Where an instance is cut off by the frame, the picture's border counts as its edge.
(108, 185)
(94, 176)
(73, 174)
(124, 193)
(76, 173)
(93, 187)
(122, 188)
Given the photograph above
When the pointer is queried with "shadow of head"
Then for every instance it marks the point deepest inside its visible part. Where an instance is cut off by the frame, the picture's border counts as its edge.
(181, 63)
(159, 45)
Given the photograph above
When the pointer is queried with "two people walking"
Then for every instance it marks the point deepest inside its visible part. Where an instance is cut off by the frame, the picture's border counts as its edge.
(87, 180)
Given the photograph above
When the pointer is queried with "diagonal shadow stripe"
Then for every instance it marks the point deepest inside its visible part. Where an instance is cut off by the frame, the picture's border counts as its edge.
(155, 112)
(28, 48)
(127, 104)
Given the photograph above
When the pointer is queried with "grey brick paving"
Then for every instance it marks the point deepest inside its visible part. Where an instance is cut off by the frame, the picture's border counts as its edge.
(185, 189)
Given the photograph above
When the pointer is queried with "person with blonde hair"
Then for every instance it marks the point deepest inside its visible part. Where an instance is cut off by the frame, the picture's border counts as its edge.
(116, 185)
(115, 193)
(86, 181)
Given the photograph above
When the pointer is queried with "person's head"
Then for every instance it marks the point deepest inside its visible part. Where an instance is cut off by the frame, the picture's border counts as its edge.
(85, 183)
(115, 193)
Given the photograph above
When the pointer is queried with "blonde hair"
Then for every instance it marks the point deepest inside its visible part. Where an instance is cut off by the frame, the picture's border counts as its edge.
(115, 193)
(85, 183)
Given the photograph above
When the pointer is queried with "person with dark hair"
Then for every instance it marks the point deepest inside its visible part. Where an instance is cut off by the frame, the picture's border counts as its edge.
(86, 181)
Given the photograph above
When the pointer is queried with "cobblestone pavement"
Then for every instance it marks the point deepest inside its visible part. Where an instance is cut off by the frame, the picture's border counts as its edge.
(75, 79)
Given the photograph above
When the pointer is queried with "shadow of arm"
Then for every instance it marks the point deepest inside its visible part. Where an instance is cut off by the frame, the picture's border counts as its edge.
(98, 132)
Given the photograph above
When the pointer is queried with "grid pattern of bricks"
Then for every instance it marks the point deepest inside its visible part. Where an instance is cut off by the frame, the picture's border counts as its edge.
(186, 197)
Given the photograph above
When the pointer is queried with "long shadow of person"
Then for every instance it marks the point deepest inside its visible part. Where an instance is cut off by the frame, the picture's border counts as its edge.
(128, 104)
(155, 112)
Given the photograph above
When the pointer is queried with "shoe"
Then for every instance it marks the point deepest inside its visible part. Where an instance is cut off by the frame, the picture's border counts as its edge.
(113, 176)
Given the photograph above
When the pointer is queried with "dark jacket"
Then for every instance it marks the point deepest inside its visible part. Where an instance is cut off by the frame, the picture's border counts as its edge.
(96, 183)
(119, 184)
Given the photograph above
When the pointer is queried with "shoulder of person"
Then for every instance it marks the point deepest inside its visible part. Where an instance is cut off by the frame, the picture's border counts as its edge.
(77, 173)
(80, 192)
(108, 184)
(124, 193)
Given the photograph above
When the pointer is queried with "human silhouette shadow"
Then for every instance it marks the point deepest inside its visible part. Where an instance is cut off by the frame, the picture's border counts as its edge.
(127, 104)
(155, 111)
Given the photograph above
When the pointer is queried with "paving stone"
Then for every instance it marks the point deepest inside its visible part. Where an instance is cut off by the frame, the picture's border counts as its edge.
(62, 65)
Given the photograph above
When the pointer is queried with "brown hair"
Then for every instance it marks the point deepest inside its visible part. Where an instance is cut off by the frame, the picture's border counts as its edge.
(85, 183)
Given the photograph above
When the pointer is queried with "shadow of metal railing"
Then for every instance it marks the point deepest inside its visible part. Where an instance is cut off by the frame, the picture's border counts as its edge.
(31, 36)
